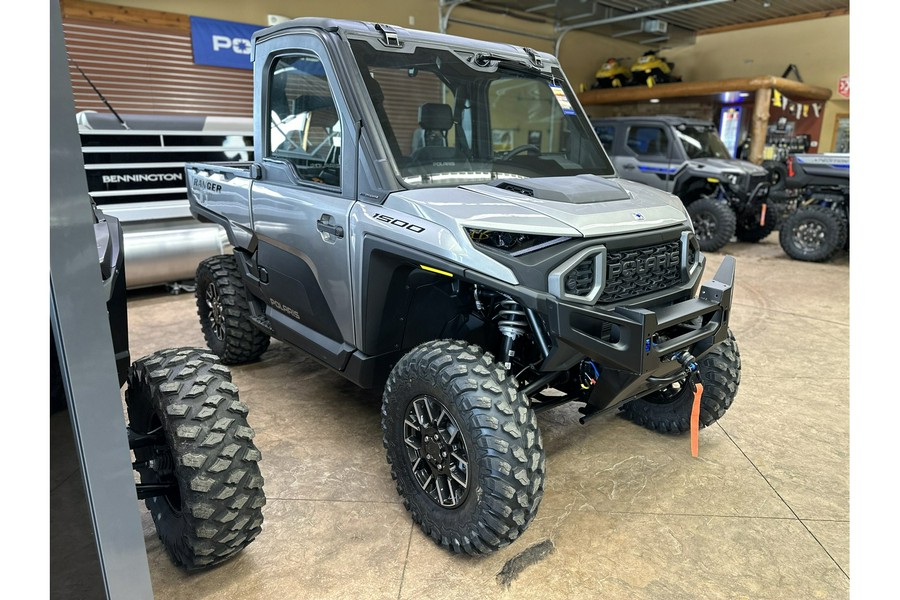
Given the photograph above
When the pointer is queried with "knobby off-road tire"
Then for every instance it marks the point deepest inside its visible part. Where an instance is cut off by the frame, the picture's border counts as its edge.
(814, 233)
(748, 227)
(205, 446)
(669, 410)
(225, 312)
(488, 433)
(778, 175)
(714, 222)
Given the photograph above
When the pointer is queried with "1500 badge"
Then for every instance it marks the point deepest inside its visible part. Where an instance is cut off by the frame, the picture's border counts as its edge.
(398, 222)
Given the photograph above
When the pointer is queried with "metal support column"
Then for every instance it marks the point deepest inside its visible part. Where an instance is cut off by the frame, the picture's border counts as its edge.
(80, 325)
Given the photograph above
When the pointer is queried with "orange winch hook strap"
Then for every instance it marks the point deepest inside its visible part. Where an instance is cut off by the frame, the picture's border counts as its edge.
(695, 421)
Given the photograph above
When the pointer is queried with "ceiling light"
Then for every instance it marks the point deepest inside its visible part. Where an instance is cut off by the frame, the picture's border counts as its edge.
(654, 100)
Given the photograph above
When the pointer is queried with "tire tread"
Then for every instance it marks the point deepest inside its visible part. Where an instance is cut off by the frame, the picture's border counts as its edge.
(244, 342)
(203, 437)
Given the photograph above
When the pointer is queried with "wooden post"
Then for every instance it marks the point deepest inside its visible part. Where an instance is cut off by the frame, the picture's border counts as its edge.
(760, 124)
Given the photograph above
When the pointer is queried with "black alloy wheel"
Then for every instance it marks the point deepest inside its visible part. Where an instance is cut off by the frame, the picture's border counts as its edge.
(216, 314)
(437, 451)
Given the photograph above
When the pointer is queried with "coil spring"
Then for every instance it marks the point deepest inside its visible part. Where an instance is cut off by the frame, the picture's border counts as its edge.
(512, 319)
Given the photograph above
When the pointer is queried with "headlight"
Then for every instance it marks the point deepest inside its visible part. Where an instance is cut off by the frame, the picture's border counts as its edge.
(581, 278)
(512, 242)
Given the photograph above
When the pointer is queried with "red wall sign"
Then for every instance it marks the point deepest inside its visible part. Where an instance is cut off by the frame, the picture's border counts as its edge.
(844, 86)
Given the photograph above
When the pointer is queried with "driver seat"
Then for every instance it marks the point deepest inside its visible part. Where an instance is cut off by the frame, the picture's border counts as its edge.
(435, 119)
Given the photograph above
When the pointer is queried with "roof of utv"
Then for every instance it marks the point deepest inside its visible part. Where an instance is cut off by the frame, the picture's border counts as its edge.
(669, 119)
(369, 29)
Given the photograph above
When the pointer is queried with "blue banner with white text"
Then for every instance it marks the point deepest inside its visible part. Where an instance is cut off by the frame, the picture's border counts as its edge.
(222, 43)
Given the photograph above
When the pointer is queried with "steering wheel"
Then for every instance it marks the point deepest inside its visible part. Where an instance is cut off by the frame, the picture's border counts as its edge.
(519, 150)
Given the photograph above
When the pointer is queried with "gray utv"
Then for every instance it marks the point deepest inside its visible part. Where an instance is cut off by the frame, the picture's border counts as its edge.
(725, 197)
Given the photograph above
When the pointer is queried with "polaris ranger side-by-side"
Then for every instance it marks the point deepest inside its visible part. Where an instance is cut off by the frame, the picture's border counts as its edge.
(725, 196)
(435, 216)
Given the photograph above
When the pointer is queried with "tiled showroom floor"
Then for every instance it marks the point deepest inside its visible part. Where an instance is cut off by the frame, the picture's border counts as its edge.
(627, 513)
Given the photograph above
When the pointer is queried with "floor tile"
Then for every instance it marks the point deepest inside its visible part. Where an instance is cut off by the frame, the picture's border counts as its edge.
(307, 550)
(653, 557)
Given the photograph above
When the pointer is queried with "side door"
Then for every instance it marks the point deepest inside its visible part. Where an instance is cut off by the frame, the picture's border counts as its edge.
(646, 155)
(302, 203)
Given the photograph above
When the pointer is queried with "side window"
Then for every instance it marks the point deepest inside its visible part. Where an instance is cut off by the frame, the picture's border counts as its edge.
(607, 135)
(304, 124)
(648, 141)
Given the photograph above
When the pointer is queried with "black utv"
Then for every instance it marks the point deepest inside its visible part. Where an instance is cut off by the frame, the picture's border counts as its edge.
(816, 187)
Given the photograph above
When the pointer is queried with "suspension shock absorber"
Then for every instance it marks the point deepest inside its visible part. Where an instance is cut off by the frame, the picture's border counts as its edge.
(512, 323)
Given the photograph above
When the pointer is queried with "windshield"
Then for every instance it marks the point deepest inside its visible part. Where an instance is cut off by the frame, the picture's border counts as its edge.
(701, 142)
(448, 122)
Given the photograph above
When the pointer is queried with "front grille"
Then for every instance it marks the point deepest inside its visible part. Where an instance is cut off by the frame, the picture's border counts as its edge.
(580, 280)
(755, 181)
(632, 273)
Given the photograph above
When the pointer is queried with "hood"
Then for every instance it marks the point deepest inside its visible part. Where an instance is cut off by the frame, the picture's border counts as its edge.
(729, 165)
(576, 206)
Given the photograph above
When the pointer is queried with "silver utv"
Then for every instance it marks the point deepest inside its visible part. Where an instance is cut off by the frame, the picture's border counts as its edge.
(434, 217)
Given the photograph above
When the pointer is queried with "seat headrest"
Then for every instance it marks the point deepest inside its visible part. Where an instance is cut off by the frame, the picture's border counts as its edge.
(435, 116)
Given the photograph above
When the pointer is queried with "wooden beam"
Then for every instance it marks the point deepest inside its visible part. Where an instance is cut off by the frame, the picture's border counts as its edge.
(823, 14)
(123, 15)
(760, 124)
(702, 89)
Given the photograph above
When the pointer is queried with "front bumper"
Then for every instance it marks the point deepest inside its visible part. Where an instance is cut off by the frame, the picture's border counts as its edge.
(635, 346)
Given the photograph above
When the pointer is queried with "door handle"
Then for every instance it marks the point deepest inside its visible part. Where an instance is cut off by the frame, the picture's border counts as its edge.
(628, 166)
(326, 225)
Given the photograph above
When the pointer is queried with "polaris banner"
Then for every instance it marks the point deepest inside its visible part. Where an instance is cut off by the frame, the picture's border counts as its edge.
(222, 43)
